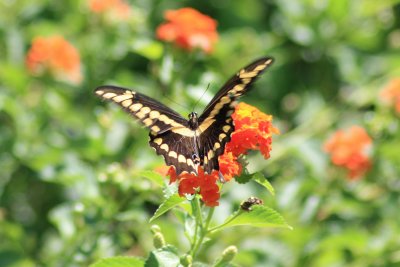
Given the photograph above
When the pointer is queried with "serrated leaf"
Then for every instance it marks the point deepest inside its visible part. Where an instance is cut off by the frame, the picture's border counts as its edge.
(119, 262)
(259, 178)
(259, 216)
(168, 204)
(163, 257)
(153, 176)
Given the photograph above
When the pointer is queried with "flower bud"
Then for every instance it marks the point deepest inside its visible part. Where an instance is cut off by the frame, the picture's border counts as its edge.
(229, 253)
(158, 240)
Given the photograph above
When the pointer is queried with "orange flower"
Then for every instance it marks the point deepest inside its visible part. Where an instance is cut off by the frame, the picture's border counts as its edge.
(115, 8)
(349, 149)
(253, 130)
(229, 166)
(56, 55)
(391, 93)
(189, 29)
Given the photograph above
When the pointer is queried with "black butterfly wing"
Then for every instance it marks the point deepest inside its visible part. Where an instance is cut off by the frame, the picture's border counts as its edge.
(153, 114)
(215, 124)
(169, 132)
(176, 149)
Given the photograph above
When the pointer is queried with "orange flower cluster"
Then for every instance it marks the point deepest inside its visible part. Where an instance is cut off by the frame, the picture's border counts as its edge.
(189, 29)
(115, 8)
(349, 149)
(56, 55)
(391, 93)
(253, 130)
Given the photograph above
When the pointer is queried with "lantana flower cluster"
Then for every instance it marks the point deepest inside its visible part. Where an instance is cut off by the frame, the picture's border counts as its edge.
(350, 149)
(253, 131)
(55, 55)
(189, 29)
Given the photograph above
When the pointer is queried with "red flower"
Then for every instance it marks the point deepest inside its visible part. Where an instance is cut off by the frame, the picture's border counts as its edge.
(253, 130)
(189, 29)
(391, 93)
(115, 8)
(204, 184)
(56, 55)
(350, 149)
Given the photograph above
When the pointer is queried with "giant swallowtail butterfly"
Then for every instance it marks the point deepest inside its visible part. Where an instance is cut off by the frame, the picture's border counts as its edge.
(200, 140)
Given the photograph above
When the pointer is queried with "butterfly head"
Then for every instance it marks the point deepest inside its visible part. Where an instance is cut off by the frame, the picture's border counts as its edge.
(193, 120)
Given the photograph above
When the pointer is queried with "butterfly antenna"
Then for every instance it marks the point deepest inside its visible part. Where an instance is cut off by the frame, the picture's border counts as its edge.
(205, 91)
(177, 103)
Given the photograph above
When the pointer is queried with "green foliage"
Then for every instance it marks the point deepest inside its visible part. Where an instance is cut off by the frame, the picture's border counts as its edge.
(119, 261)
(259, 178)
(77, 185)
(163, 257)
(168, 204)
(259, 216)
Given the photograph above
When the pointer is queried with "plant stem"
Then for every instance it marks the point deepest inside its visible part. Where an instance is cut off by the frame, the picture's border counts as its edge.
(216, 228)
(196, 212)
(203, 230)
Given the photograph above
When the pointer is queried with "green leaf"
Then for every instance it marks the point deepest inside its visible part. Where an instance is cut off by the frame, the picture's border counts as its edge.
(148, 48)
(244, 178)
(119, 262)
(153, 176)
(163, 257)
(259, 178)
(168, 204)
(259, 216)
(170, 190)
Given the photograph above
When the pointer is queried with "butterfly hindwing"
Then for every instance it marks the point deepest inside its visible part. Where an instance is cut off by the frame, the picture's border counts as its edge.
(154, 115)
(176, 149)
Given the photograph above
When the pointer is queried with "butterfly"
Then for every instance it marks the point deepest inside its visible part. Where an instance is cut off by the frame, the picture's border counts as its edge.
(197, 141)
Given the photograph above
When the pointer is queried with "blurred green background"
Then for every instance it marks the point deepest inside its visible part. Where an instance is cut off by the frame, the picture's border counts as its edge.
(71, 189)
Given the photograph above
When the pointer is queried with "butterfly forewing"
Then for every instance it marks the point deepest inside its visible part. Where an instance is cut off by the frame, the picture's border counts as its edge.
(235, 87)
(154, 115)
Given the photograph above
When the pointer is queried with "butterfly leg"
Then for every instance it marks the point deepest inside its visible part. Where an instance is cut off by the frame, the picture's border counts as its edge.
(221, 178)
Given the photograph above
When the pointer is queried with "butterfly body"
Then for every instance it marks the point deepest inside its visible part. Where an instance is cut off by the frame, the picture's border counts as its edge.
(193, 121)
(200, 140)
